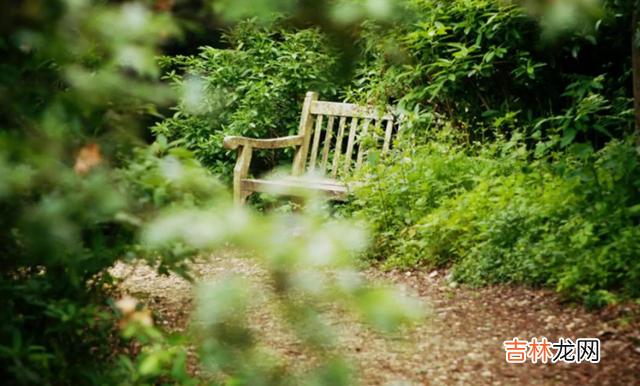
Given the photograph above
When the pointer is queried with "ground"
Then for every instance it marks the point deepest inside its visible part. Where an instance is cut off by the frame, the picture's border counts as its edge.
(459, 343)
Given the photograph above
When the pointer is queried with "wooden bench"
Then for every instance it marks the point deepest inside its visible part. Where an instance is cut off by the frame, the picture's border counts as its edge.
(325, 159)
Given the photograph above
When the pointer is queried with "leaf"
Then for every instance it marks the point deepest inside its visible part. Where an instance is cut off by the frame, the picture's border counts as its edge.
(373, 158)
(479, 40)
(569, 136)
(161, 140)
(163, 5)
(583, 150)
(634, 210)
(489, 56)
(490, 113)
(541, 147)
(181, 152)
(179, 366)
(601, 129)
(150, 365)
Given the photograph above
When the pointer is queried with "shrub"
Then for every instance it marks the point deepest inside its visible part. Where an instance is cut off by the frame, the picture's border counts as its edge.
(484, 67)
(574, 232)
(412, 183)
(534, 187)
(254, 88)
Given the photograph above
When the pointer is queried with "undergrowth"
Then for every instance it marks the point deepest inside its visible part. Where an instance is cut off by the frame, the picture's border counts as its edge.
(497, 216)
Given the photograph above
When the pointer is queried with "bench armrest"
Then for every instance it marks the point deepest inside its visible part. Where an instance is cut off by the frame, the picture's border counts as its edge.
(233, 142)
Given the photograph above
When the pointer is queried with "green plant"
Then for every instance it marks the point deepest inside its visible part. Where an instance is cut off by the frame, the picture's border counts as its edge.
(485, 67)
(254, 88)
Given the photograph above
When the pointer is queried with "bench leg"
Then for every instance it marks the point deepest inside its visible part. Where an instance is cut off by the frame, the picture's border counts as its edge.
(240, 197)
(240, 172)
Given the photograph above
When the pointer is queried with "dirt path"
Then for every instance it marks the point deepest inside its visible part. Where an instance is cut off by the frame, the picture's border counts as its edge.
(459, 344)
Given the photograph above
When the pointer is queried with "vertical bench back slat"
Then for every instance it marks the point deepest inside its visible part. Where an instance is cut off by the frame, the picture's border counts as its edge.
(361, 150)
(338, 149)
(316, 143)
(352, 138)
(305, 128)
(387, 136)
(327, 144)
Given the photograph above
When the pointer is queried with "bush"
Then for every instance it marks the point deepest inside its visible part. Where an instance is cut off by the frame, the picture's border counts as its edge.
(412, 183)
(255, 88)
(498, 218)
(574, 232)
(485, 67)
(537, 184)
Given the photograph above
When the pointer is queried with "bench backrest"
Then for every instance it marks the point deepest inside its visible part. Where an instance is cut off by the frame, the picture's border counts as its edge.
(336, 151)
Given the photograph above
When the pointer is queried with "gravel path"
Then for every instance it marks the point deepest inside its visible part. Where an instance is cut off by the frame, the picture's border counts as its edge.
(460, 343)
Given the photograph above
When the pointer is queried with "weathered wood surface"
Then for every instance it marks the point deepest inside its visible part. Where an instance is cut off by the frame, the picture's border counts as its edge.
(327, 144)
(306, 126)
(240, 172)
(338, 149)
(316, 143)
(362, 149)
(347, 110)
(336, 191)
(352, 139)
(387, 136)
(232, 142)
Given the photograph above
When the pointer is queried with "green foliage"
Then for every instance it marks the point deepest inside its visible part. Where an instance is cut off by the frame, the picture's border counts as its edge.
(498, 217)
(80, 192)
(575, 232)
(61, 229)
(254, 88)
(483, 66)
(414, 182)
(537, 185)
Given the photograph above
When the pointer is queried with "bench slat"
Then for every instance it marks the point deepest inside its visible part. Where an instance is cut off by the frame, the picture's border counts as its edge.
(306, 125)
(337, 192)
(361, 149)
(347, 110)
(327, 144)
(338, 149)
(352, 138)
(316, 143)
(387, 136)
